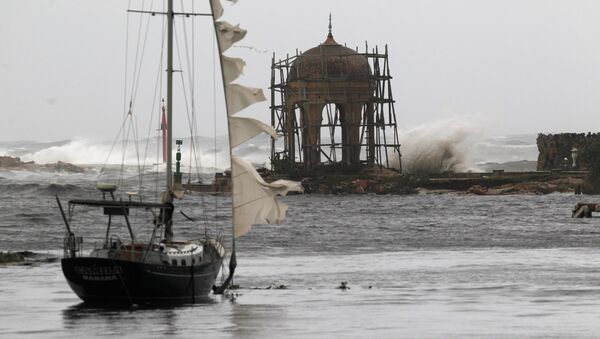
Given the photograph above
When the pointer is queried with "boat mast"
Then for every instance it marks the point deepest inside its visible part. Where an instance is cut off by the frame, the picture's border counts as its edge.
(169, 94)
(212, 11)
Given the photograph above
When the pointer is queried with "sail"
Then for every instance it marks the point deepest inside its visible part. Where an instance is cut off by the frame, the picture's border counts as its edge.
(232, 68)
(227, 34)
(217, 8)
(239, 97)
(244, 129)
(254, 199)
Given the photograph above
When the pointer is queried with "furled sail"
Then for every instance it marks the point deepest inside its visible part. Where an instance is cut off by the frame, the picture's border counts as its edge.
(254, 200)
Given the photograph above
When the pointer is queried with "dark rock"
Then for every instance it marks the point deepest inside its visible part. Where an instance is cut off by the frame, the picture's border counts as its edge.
(15, 163)
(590, 187)
(478, 190)
(10, 257)
(555, 148)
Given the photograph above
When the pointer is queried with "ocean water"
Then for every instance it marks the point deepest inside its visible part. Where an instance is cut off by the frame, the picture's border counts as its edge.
(443, 141)
(420, 266)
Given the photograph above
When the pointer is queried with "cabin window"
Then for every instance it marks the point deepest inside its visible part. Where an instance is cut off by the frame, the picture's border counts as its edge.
(182, 262)
(174, 262)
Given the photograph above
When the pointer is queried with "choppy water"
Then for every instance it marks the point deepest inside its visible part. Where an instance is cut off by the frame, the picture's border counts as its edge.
(438, 266)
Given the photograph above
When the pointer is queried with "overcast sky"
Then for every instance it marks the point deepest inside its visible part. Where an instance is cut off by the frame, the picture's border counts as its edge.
(509, 66)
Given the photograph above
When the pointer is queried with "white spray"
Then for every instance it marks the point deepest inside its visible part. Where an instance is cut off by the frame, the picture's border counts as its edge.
(442, 146)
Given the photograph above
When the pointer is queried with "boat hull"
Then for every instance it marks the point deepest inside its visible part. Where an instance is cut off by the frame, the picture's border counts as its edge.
(103, 280)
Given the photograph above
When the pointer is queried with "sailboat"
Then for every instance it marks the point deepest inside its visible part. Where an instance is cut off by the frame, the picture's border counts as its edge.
(164, 269)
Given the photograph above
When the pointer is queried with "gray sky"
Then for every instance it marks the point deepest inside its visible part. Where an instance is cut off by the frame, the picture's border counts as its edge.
(509, 66)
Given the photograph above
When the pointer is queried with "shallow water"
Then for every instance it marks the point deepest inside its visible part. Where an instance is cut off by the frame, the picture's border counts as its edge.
(426, 266)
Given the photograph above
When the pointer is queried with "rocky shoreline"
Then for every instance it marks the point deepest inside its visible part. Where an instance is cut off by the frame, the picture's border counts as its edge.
(15, 163)
(386, 181)
(495, 183)
(25, 258)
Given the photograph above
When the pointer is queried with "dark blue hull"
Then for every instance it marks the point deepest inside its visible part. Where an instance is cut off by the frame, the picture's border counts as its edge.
(101, 280)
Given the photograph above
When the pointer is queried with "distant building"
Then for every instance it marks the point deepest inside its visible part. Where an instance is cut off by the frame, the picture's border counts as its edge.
(333, 106)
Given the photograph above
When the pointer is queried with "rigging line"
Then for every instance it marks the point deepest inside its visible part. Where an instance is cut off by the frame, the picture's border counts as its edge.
(190, 75)
(185, 94)
(185, 39)
(185, 98)
(135, 141)
(196, 141)
(124, 90)
(122, 282)
(137, 52)
(113, 144)
(124, 136)
(137, 151)
(126, 61)
(161, 74)
(190, 67)
(214, 60)
(192, 121)
(125, 142)
(157, 88)
(184, 87)
(137, 81)
(135, 70)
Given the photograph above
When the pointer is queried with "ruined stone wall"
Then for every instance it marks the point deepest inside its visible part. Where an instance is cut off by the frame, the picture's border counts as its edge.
(555, 148)
(6, 161)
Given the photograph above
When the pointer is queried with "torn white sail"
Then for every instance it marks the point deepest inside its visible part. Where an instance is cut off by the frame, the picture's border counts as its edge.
(227, 34)
(216, 8)
(254, 200)
(243, 129)
(232, 68)
(239, 97)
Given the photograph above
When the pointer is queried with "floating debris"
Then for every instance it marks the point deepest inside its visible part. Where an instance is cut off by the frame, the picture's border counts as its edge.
(273, 287)
(344, 286)
(233, 287)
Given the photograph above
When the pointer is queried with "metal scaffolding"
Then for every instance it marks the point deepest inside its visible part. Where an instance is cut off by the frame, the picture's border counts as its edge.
(321, 141)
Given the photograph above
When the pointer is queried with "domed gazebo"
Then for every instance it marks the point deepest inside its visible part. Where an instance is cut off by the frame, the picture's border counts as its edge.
(325, 106)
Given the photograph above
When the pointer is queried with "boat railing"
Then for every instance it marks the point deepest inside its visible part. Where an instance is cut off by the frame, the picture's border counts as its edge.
(98, 247)
(72, 246)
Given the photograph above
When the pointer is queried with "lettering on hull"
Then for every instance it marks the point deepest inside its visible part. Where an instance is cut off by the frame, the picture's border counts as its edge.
(99, 273)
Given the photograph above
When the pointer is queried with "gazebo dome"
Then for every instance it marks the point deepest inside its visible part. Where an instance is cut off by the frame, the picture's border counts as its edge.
(334, 108)
(330, 60)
